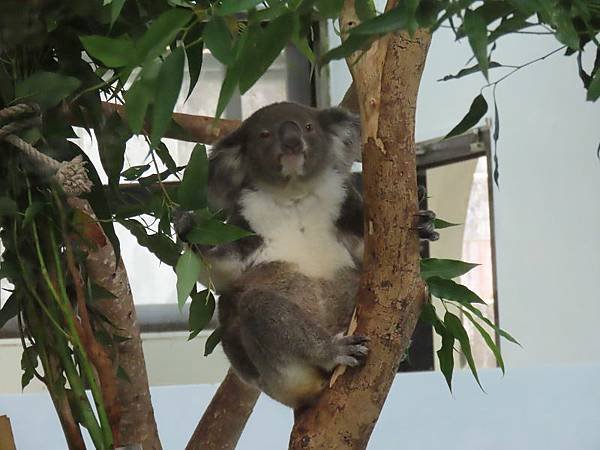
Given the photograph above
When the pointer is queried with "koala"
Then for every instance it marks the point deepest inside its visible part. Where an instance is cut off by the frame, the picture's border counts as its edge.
(287, 293)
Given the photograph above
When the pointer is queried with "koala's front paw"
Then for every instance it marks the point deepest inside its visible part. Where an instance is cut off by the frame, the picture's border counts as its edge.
(426, 225)
(350, 350)
(183, 222)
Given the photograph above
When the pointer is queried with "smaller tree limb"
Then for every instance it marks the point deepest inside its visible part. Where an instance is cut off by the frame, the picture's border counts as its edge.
(225, 417)
(137, 425)
(96, 352)
(7, 441)
(203, 129)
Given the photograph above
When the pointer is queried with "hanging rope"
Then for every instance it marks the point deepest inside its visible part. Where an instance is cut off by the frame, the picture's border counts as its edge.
(70, 175)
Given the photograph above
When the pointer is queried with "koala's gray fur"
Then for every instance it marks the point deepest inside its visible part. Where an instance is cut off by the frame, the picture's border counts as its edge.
(287, 293)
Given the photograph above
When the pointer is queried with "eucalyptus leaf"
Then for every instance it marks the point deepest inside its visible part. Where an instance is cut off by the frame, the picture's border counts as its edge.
(227, 90)
(194, 56)
(593, 91)
(139, 96)
(449, 290)
(47, 89)
(161, 33)
(112, 139)
(9, 310)
(353, 43)
(188, 270)
(475, 28)
(446, 355)
(162, 151)
(330, 8)
(469, 70)
(455, 326)
(202, 309)
(169, 82)
(212, 341)
(488, 340)
(159, 244)
(444, 268)
(192, 190)
(488, 322)
(115, 10)
(112, 52)
(134, 172)
(214, 232)
(477, 110)
(217, 38)
(440, 224)
(365, 9)
(29, 362)
(262, 47)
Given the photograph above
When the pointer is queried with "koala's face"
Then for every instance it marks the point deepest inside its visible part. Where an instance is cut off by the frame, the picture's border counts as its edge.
(283, 142)
(287, 141)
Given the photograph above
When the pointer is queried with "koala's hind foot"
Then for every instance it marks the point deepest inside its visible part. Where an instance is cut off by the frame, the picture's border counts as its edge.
(426, 225)
(349, 350)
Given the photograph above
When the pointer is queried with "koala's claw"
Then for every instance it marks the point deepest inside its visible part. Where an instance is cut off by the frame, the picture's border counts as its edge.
(183, 222)
(426, 225)
(350, 350)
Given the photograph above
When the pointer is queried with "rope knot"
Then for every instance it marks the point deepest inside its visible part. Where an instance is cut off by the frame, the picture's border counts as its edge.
(73, 178)
(70, 175)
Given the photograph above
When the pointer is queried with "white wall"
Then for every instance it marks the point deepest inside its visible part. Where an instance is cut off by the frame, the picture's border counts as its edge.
(548, 204)
(529, 409)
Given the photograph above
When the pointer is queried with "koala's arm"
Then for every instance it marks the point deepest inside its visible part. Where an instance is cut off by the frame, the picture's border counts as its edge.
(350, 223)
(225, 262)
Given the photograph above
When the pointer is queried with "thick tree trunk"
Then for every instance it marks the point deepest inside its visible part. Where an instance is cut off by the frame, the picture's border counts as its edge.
(225, 417)
(391, 293)
(137, 424)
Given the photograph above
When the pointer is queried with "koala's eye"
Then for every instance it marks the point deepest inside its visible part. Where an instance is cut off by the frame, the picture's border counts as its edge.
(264, 134)
(308, 126)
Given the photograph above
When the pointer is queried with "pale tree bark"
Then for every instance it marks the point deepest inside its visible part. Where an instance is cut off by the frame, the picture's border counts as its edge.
(390, 295)
(137, 424)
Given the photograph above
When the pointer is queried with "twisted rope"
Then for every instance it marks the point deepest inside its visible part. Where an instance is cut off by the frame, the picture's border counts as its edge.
(70, 175)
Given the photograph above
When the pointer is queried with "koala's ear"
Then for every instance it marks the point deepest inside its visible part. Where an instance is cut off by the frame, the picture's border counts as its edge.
(345, 126)
(226, 170)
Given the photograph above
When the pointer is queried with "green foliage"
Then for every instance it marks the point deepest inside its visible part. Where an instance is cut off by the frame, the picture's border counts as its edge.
(212, 341)
(188, 269)
(444, 268)
(170, 77)
(47, 89)
(202, 309)
(192, 191)
(9, 310)
(214, 232)
(476, 112)
(438, 274)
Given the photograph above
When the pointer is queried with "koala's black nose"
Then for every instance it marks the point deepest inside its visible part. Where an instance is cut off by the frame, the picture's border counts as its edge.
(290, 136)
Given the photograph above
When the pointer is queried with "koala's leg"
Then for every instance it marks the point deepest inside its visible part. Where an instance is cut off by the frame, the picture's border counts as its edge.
(291, 351)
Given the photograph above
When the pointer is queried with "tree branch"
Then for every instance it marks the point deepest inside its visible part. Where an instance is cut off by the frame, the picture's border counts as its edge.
(391, 293)
(192, 128)
(225, 417)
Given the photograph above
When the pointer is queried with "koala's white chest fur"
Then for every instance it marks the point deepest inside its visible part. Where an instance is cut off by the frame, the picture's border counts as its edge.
(300, 231)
